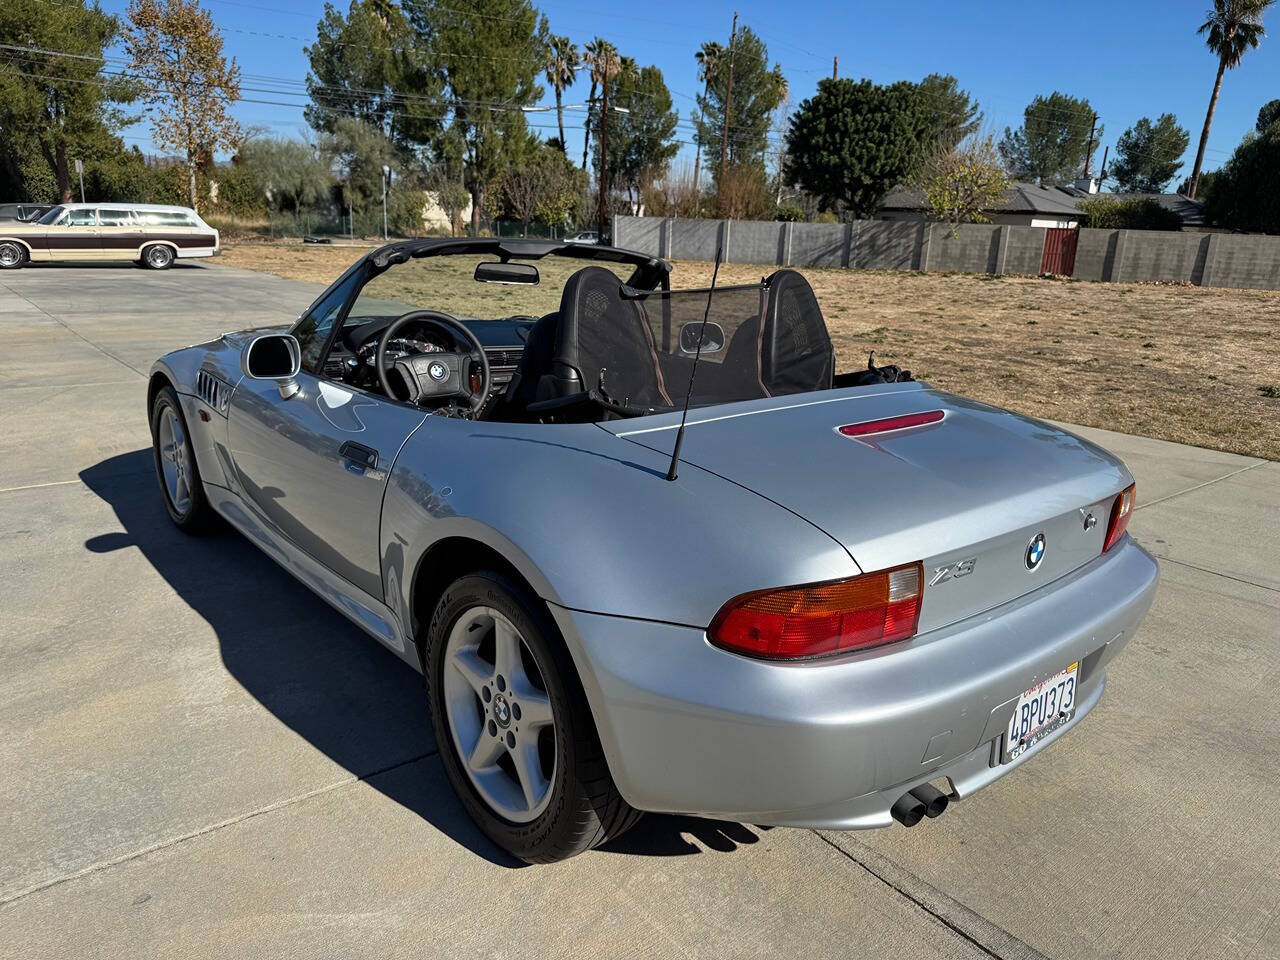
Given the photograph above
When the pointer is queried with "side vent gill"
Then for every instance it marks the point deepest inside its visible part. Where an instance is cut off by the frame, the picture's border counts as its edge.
(213, 390)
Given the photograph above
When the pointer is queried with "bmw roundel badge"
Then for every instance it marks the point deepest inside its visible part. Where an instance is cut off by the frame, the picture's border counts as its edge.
(437, 371)
(1035, 551)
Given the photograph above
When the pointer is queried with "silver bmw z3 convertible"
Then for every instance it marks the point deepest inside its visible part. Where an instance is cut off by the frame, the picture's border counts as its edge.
(650, 550)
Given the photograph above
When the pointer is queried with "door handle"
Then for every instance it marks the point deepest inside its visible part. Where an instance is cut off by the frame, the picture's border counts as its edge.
(359, 455)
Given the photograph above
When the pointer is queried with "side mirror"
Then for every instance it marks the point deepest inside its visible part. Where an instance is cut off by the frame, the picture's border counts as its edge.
(274, 356)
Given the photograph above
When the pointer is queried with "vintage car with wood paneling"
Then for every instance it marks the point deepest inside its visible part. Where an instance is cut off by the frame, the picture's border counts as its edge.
(151, 235)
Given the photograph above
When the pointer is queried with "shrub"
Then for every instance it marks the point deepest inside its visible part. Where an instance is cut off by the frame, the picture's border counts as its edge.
(1132, 213)
(789, 213)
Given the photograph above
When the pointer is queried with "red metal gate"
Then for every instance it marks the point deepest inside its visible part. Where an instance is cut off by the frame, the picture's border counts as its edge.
(1059, 251)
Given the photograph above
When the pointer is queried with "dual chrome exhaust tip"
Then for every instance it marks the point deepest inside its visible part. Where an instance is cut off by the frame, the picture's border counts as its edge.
(925, 800)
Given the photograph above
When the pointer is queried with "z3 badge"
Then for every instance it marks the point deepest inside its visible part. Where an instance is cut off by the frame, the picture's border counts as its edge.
(961, 568)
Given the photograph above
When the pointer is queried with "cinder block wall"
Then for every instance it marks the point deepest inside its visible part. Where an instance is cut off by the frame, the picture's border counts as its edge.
(1218, 260)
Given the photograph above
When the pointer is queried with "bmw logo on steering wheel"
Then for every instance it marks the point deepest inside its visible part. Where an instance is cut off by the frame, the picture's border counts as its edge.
(437, 371)
(1035, 551)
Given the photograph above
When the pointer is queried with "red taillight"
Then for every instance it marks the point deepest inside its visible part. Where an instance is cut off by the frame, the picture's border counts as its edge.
(1120, 512)
(823, 618)
(885, 424)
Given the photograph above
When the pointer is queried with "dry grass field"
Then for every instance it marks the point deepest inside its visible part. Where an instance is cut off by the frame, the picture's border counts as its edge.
(1198, 366)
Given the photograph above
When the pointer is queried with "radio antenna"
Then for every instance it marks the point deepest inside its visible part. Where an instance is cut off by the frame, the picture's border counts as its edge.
(688, 394)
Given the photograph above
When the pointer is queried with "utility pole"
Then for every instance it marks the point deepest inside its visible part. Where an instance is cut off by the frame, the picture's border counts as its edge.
(1102, 174)
(604, 149)
(1088, 153)
(386, 171)
(728, 107)
(835, 67)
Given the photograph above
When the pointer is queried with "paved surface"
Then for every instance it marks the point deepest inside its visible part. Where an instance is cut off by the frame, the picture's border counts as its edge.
(201, 759)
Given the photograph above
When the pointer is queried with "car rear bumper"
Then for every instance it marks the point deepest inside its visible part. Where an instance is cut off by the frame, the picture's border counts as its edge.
(690, 728)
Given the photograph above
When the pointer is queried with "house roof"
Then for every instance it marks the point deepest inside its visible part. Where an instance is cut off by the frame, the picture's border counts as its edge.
(1061, 202)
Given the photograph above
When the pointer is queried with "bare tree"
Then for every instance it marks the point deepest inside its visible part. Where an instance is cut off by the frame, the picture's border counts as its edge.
(176, 52)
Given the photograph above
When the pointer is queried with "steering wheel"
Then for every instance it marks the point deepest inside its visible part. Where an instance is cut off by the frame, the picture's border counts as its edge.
(437, 376)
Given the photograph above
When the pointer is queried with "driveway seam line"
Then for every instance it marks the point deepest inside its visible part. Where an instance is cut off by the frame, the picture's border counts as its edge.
(1200, 486)
(74, 332)
(1028, 952)
(210, 828)
(1215, 573)
(37, 486)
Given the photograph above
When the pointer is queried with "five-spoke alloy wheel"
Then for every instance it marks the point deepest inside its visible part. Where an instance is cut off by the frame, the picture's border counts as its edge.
(516, 737)
(499, 714)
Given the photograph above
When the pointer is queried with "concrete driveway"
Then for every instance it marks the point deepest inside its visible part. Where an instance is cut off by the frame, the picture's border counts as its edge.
(201, 759)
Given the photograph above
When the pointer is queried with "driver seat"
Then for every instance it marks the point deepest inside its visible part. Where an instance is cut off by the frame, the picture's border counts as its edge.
(595, 331)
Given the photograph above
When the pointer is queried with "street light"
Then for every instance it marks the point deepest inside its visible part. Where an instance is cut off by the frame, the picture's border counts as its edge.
(386, 175)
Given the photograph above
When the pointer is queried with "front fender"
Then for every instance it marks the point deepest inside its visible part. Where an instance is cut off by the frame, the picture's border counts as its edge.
(591, 521)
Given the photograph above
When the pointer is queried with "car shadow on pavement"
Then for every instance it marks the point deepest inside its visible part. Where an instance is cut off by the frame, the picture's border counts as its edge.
(317, 673)
(321, 676)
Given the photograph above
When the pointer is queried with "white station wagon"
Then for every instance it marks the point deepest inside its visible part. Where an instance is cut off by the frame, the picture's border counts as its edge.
(152, 235)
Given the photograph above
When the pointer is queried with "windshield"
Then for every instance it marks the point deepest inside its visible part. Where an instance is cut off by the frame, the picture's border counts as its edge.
(51, 216)
(448, 284)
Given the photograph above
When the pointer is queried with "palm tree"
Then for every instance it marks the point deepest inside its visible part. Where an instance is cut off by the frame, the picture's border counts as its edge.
(599, 55)
(563, 60)
(708, 58)
(1233, 27)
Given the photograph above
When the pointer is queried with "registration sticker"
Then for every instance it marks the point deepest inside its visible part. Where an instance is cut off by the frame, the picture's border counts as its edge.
(1040, 711)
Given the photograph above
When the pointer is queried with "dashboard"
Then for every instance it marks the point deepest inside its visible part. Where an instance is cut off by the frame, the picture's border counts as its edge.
(354, 355)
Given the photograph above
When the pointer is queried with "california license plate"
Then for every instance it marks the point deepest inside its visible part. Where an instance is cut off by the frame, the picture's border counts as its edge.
(1040, 711)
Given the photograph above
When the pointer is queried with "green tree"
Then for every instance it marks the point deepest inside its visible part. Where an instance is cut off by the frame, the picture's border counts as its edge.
(601, 58)
(853, 142)
(1245, 195)
(757, 91)
(370, 65)
(563, 61)
(708, 57)
(290, 173)
(176, 51)
(954, 115)
(1148, 155)
(642, 128)
(1233, 28)
(1268, 114)
(56, 107)
(1051, 144)
(356, 151)
(491, 52)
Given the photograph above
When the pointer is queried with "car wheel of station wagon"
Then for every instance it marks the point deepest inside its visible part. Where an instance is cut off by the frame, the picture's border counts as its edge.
(514, 731)
(12, 255)
(175, 463)
(157, 257)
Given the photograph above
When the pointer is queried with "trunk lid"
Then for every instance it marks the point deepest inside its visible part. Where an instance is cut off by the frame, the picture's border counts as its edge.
(965, 496)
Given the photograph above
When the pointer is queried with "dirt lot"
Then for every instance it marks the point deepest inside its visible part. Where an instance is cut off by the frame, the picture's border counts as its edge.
(1181, 363)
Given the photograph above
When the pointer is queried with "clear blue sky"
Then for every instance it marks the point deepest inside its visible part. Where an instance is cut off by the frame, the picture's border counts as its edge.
(1129, 59)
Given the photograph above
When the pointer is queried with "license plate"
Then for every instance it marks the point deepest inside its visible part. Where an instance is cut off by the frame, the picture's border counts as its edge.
(1040, 711)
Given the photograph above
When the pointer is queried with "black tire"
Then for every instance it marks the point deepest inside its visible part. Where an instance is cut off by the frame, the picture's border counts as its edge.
(197, 515)
(585, 808)
(157, 256)
(13, 255)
